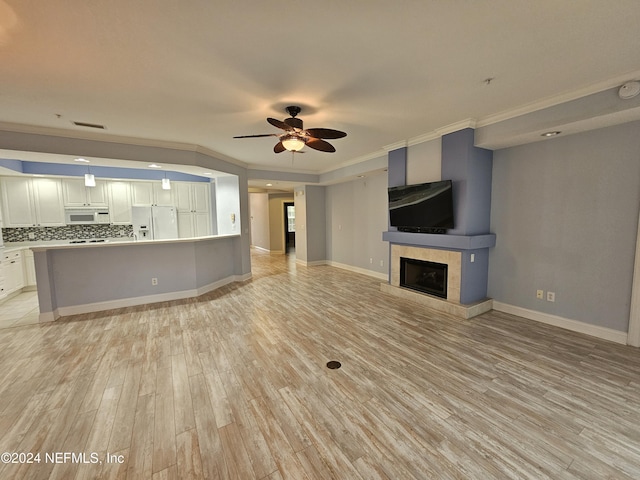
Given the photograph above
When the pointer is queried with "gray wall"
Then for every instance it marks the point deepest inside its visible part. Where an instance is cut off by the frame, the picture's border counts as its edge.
(120, 272)
(565, 212)
(300, 201)
(357, 214)
(315, 223)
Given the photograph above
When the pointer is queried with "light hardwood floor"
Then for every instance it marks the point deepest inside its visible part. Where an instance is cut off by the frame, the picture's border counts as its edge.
(20, 310)
(234, 385)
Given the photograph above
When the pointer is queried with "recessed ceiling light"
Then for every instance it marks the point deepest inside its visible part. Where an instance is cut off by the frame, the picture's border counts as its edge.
(207, 173)
(551, 134)
(269, 184)
(83, 160)
(360, 176)
(153, 165)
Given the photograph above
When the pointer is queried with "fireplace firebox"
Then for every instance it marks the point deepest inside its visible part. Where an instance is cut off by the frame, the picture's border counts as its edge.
(423, 276)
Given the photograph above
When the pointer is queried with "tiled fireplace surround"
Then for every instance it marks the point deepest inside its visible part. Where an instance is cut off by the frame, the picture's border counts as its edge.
(465, 249)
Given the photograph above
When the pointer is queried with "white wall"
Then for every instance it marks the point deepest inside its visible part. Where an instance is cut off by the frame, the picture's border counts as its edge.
(259, 217)
(228, 205)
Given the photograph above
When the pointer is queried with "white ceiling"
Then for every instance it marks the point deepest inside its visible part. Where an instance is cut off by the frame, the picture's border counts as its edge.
(201, 71)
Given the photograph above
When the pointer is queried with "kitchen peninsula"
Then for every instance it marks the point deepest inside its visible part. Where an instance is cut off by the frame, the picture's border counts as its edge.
(90, 277)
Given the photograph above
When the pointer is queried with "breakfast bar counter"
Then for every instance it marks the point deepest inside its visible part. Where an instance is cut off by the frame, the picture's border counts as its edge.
(88, 277)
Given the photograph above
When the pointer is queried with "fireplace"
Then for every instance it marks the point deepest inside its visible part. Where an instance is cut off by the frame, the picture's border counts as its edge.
(424, 276)
(445, 295)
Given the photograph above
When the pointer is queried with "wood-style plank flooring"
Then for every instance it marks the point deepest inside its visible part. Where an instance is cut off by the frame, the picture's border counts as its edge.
(234, 385)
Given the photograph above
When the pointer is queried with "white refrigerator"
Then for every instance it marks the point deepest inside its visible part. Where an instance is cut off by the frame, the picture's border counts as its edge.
(154, 223)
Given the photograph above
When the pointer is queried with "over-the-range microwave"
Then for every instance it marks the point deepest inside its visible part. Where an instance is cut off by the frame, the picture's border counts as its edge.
(86, 216)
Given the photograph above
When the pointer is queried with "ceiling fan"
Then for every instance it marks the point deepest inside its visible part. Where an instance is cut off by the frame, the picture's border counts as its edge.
(295, 137)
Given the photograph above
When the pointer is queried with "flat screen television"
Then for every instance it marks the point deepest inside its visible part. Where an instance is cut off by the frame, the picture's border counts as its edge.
(422, 208)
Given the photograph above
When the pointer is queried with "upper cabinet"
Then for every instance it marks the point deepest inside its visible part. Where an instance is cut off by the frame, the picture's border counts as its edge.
(77, 195)
(120, 202)
(141, 194)
(193, 205)
(146, 194)
(32, 202)
(162, 197)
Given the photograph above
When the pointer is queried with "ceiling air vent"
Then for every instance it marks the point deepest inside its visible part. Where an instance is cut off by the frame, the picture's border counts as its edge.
(88, 125)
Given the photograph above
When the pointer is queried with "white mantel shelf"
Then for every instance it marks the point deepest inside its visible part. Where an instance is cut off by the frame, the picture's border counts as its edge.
(453, 242)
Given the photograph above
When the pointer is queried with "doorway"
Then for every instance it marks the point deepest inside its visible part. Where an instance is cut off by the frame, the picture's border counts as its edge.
(289, 227)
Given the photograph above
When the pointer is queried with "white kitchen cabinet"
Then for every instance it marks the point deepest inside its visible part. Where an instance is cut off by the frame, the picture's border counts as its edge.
(3, 290)
(120, 202)
(17, 202)
(13, 271)
(75, 193)
(141, 194)
(186, 227)
(146, 194)
(162, 197)
(47, 193)
(193, 205)
(31, 202)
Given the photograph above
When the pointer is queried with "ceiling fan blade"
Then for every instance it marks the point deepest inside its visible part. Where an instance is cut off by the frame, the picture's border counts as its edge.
(279, 124)
(325, 133)
(321, 145)
(279, 148)
(256, 136)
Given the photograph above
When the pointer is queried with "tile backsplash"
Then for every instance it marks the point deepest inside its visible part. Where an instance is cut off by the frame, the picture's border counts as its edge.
(69, 232)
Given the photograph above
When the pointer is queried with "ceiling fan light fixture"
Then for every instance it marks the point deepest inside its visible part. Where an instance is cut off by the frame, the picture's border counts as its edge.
(293, 143)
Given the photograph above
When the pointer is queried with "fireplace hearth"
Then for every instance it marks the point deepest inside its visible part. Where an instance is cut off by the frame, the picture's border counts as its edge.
(424, 276)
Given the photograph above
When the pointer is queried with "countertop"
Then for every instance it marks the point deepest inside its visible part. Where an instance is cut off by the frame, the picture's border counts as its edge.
(116, 242)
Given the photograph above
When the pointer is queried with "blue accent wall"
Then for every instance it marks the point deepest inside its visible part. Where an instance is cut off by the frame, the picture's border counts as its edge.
(39, 168)
(470, 169)
(397, 167)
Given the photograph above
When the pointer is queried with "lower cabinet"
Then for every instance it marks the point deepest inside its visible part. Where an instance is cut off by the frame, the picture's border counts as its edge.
(17, 271)
(3, 291)
(13, 271)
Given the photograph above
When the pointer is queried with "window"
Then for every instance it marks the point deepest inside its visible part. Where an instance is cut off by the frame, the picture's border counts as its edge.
(291, 218)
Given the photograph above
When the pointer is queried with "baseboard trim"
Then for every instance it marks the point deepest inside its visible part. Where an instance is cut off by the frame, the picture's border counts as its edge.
(315, 263)
(344, 266)
(362, 271)
(603, 333)
(48, 316)
(135, 301)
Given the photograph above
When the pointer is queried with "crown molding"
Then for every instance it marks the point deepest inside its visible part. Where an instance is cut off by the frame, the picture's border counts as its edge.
(396, 145)
(355, 161)
(559, 99)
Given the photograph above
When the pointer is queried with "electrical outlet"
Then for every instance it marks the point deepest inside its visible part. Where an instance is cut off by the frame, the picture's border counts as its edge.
(551, 296)
(473, 257)
(382, 263)
(32, 236)
(371, 260)
(154, 281)
(540, 294)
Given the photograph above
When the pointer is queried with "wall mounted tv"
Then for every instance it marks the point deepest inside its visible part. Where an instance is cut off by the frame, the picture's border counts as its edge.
(422, 208)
